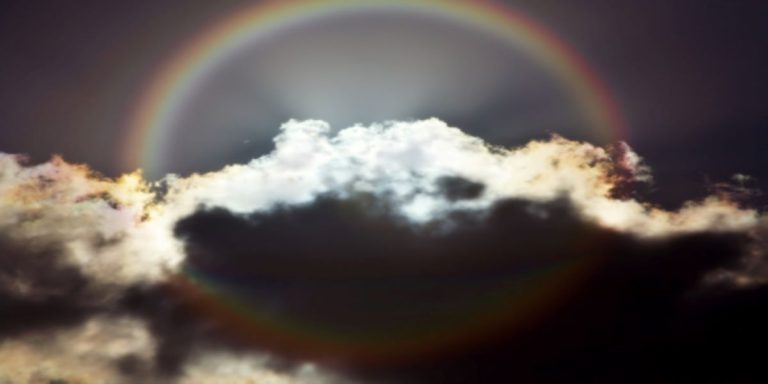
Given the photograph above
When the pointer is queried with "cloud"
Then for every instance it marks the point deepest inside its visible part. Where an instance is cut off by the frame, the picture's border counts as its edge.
(88, 352)
(352, 271)
(243, 368)
(99, 226)
(401, 228)
(405, 159)
(114, 349)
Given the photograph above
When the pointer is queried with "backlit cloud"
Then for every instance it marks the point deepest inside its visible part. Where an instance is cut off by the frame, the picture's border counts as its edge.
(85, 245)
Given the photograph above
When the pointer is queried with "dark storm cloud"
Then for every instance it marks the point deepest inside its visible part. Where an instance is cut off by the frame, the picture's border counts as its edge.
(349, 264)
(345, 264)
(38, 291)
(406, 251)
(174, 324)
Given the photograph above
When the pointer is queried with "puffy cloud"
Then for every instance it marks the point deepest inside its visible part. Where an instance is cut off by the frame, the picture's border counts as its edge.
(101, 226)
(246, 368)
(89, 352)
(405, 160)
(120, 231)
(90, 249)
(119, 349)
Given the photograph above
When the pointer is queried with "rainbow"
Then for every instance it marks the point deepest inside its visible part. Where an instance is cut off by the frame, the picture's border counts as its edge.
(527, 296)
(161, 98)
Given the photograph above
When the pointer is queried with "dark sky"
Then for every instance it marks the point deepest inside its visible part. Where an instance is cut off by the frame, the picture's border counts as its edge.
(689, 76)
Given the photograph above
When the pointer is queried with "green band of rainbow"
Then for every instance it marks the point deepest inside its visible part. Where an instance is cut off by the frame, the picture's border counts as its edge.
(162, 97)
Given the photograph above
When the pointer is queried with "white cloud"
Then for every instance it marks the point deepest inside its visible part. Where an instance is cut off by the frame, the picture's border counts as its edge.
(86, 354)
(405, 159)
(120, 232)
(229, 368)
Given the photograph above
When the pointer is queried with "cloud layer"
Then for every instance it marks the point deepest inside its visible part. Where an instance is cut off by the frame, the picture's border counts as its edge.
(415, 220)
